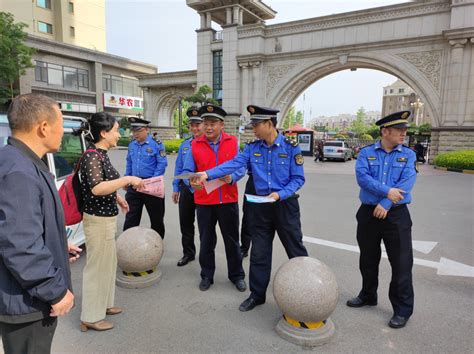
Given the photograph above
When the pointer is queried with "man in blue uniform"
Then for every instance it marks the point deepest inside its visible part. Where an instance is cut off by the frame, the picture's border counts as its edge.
(146, 158)
(277, 171)
(183, 193)
(386, 173)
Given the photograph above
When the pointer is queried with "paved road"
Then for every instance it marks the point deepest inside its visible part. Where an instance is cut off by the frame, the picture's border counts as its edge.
(174, 316)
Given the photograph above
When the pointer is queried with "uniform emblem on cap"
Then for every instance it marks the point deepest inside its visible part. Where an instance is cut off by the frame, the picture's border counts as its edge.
(195, 113)
(405, 115)
(132, 120)
(210, 109)
(251, 109)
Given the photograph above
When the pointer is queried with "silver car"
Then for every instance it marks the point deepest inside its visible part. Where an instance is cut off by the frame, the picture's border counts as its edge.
(337, 150)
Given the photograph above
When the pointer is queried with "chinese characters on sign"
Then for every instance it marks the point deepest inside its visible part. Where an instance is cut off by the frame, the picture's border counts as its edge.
(120, 101)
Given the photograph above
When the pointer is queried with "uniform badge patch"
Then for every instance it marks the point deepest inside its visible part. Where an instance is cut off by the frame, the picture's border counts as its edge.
(257, 154)
(162, 153)
(299, 159)
(371, 158)
(149, 150)
(402, 159)
(283, 155)
(186, 148)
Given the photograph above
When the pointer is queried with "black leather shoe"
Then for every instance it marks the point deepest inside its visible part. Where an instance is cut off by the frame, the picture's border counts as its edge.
(185, 260)
(244, 252)
(358, 302)
(398, 321)
(240, 285)
(249, 304)
(205, 284)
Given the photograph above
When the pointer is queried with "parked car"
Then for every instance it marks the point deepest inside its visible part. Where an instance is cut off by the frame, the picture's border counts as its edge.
(60, 164)
(337, 150)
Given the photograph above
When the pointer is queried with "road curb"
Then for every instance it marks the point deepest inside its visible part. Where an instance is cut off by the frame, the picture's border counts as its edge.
(448, 169)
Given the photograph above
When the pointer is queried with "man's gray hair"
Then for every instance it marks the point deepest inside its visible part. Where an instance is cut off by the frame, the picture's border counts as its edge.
(26, 110)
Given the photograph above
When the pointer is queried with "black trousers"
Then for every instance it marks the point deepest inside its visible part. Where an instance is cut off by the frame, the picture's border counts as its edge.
(395, 231)
(155, 207)
(227, 215)
(28, 338)
(284, 218)
(187, 212)
(247, 217)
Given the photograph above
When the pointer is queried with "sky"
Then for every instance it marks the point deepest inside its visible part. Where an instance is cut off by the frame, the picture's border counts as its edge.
(162, 32)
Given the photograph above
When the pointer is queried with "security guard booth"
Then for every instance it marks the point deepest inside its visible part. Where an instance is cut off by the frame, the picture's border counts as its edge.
(304, 136)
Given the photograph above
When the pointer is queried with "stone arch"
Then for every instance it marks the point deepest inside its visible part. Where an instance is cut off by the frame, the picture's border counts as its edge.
(300, 77)
(163, 104)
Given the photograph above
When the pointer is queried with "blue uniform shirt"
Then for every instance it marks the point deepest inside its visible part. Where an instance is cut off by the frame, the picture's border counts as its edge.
(184, 150)
(147, 159)
(277, 168)
(377, 171)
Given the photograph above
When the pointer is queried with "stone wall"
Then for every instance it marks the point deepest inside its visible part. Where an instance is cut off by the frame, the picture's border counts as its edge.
(451, 140)
(164, 133)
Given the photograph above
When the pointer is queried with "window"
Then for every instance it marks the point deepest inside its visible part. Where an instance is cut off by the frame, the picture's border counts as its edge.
(217, 75)
(68, 155)
(128, 87)
(391, 90)
(70, 7)
(117, 85)
(41, 71)
(401, 90)
(45, 4)
(55, 74)
(58, 75)
(106, 83)
(45, 27)
(83, 78)
(72, 31)
(70, 78)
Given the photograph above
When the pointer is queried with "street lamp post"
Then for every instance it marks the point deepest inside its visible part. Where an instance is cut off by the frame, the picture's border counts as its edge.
(417, 106)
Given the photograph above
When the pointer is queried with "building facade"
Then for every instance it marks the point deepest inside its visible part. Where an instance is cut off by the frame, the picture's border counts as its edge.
(78, 22)
(85, 81)
(401, 97)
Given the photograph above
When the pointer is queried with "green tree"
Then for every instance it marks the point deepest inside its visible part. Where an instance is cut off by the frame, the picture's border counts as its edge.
(15, 56)
(358, 126)
(202, 97)
(289, 118)
(299, 118)
(374, 131)
(185, 106)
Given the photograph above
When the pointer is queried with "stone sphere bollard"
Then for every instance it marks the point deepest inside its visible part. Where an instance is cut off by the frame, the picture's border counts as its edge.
(139, 250)
(306, 291)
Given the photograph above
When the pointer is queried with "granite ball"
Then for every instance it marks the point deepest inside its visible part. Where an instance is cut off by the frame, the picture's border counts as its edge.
(305, 289)
(139, 249)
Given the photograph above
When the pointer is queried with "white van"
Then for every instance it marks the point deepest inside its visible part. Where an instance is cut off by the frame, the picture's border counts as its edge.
(61, 163)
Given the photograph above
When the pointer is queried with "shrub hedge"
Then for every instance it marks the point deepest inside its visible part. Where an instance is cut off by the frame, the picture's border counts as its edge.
(461, 160)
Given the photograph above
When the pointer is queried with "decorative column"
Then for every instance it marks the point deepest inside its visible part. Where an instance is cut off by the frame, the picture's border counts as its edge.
(203, 20)
(255, 85)
(244, 95)
(228, 16)
(457, 83)
(236, 14)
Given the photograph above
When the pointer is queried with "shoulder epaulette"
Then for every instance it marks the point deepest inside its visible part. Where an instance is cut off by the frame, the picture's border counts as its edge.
(367, 146)
(158, 141)
(291, 142)
(252, 141)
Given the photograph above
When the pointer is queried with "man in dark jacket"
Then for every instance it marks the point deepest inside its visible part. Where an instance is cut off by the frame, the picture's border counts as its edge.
(35, 280)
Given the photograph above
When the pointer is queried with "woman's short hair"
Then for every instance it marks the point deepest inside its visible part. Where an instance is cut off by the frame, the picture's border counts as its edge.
(98, 122)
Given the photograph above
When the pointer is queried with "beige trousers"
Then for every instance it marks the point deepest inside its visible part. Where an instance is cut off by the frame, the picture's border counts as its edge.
(98, 279)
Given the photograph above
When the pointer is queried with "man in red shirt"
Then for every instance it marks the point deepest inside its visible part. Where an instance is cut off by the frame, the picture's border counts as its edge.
(221, 205)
